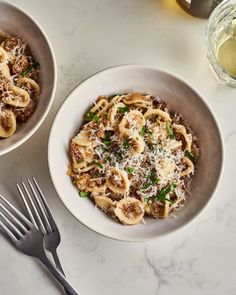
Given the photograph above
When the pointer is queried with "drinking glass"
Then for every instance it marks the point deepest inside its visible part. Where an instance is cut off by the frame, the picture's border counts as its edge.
(221, 42)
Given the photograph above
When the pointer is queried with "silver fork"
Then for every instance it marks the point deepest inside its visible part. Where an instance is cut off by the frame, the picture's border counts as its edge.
(40, 215)
(28, 239)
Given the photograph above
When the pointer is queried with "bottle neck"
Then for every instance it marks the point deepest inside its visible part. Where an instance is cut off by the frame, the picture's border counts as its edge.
(199, 8)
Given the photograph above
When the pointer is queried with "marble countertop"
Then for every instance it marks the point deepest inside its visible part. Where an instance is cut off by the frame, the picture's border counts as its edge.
(88, 36)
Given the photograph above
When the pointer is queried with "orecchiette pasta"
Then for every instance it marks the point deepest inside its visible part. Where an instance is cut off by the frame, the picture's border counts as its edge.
(82, 139)
(18, 97)
(4, 71)
(139, 100)
(133, 121)
(7, 123)
(113, 114)
(187, 137)
(29, 84)
(3, 55)
(100, 106)
(133, 157)
(105, 203)
(156, 112)
(137, 143)
(19, 90)
(118, 181)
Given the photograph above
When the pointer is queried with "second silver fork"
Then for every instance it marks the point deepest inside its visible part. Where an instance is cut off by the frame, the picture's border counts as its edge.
(41, 216)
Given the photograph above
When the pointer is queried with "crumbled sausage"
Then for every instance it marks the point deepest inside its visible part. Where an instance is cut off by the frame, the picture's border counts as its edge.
(132, 209)
(20, 65)
(75, 152)
(157, 210)
(23, 114)
(10, 43)
(5, 122)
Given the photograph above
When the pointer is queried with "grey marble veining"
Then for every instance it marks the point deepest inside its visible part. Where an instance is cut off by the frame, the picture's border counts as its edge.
(88, 36)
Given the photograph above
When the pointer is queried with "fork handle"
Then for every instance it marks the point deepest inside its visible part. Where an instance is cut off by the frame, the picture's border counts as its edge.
(58, 265)
(56, 273)
(57, 262)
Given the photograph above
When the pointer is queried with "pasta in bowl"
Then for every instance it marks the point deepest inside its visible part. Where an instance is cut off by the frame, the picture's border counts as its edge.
(19, 90)
(133, 157)
(27, 77)
(132, 185)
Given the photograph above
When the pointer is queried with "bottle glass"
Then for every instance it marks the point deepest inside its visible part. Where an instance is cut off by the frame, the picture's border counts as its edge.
(199, 8)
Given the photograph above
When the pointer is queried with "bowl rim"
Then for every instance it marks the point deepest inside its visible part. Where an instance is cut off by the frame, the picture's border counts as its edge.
(179, 78)
(43, 117)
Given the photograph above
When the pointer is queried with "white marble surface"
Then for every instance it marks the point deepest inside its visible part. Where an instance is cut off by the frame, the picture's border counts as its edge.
(88, 36)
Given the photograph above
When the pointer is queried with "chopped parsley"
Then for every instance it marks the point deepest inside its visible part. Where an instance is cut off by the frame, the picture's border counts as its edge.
(104, 149)
(152, 179)
(84, 194)
(189, 155)
(92, 117)
(107, 138)
(99, 165)
(170, 131)
(73, 180)
(96, 174)
(123, 110)
(29, 69)
(143, 131)
(119, 155)
(126, 144)
(108, 158)
(162, 196)
(130, 170)
(146, 185)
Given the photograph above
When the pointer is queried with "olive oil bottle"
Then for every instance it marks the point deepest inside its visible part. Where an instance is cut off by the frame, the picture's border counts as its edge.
(199, 8)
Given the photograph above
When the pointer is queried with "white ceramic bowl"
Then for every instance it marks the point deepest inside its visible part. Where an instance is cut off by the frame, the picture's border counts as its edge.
(15, 21)
(183, 99)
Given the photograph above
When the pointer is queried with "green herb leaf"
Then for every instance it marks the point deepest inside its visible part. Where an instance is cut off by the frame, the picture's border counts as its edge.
(107, 138)
(170, 131)
(164, 192)
(143, 131)
(96, 174)
(92, 117)
(189, 155)
(84, 194)
(123, 110)
(73, 180)
(105, 149)
(106, 142)
(108, 158)
(29, 69)
(99, 165)
(126, 144)
(130, 170)
(146, 185)
(119, 155)
(152, 177)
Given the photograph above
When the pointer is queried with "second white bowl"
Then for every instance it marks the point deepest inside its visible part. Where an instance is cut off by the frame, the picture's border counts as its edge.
(182, 99)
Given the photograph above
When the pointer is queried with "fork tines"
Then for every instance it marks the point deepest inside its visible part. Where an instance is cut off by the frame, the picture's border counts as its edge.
(12, 222)
(36, 205)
